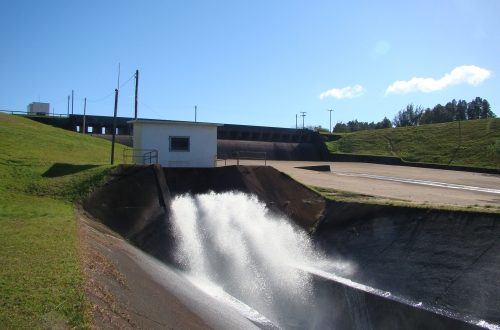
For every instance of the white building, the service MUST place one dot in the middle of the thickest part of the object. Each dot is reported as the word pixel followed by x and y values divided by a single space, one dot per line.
pixel 38 108
pixel 179 144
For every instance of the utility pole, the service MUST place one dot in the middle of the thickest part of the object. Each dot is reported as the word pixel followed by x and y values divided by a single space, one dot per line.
pixel 118 83
pixel 330 110
pixel 72 100
pixel 114 129
pixel 136 91
pixel 303 114
pixel 295 121
pixel 68 105
pixel 84 114
pixel 459 133
pixel 195 113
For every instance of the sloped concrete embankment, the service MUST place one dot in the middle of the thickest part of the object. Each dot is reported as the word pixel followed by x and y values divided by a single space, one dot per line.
pixel 434 259
pixel 437 259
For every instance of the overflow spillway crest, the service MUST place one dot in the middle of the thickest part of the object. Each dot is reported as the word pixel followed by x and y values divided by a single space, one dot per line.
pixel 231 241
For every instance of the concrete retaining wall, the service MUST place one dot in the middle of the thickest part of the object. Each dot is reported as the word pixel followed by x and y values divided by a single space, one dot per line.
pixel 388 160
pixel 446 259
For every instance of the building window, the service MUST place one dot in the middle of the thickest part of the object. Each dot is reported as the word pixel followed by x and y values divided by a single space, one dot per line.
pixel 179 143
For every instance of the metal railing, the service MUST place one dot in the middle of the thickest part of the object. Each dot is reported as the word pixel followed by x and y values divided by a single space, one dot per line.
pixel 26 113
pixel 140 156
pixel 251 155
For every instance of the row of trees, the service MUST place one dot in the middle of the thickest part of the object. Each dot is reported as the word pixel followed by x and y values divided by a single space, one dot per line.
pixel 478 108
pixel 355 125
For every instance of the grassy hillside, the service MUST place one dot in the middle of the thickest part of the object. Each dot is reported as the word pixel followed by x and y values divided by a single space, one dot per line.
pixel 470 143
pixel 43 171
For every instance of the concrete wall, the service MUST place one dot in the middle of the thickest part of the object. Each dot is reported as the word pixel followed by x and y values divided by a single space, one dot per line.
pixel 445 259
pixel 156 135
pixel 272 150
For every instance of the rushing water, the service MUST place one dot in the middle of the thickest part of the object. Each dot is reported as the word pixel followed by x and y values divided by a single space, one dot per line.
pixel 232 246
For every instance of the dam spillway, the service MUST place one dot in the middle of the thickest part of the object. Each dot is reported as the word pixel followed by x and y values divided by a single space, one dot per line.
pixel 344 235
pixel 231 241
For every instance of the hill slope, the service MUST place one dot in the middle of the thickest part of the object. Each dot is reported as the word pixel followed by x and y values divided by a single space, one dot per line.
pixel 43 170
pixel 473 143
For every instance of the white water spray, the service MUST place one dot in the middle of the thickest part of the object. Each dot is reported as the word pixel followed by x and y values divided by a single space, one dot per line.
pixel 232 241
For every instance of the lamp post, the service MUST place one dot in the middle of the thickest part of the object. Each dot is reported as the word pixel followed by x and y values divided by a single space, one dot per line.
pixel 330 110
pixel 303 114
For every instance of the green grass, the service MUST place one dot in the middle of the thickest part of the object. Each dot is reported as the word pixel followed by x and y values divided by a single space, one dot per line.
pixel 474 143
pixel 43 172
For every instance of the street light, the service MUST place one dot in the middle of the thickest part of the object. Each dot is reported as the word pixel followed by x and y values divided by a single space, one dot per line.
pixel 303 114
pixel 330 110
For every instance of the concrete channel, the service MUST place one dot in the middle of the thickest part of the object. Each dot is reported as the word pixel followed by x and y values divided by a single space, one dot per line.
pixel 415 268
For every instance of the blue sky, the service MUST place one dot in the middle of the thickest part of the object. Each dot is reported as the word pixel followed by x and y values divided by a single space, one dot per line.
pixel 250 62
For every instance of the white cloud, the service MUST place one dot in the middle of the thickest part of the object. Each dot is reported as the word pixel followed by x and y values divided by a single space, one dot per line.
pixel 465 74
pixel 348 92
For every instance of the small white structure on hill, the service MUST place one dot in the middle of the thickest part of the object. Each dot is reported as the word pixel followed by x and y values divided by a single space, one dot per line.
pixel 38 108
pixel 179 143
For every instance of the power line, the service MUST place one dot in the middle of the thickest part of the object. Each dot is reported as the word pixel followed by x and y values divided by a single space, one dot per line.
pixel 111 93
pixel 102 98
pixel 128 80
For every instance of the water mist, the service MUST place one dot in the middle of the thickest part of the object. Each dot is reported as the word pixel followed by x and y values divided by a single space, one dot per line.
pixel 231 244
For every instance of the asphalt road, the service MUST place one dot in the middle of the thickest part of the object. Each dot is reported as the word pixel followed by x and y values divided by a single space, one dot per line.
pixel 397 182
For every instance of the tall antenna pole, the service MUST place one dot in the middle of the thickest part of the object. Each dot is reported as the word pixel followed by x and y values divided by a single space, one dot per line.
pixel 72 100
pixel 114 129
pixel 84 113
pixel 118 85
pixel 136 91
pixel 303 114
pixel 330 110
pixel 195 113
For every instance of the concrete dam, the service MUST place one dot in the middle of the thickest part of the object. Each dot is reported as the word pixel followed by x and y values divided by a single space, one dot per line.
pixel 275 142
pixel 248 247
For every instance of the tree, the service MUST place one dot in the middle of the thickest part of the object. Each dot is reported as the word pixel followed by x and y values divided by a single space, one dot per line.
pixel 450 111
pixel 474 108
pixel 486 110
pixel 439 114
pixel 408 117
pixel 385 123
pixel 461 110
pixel 426 117
pixel 340 128
pixel 320 129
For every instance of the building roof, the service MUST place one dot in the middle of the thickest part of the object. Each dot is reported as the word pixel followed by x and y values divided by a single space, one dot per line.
pixel 172 122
